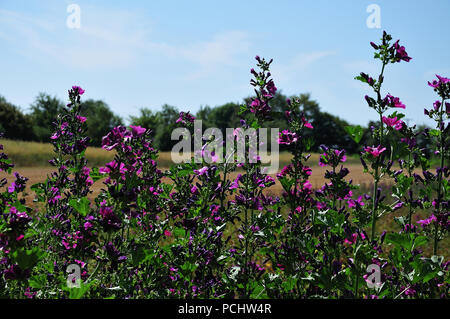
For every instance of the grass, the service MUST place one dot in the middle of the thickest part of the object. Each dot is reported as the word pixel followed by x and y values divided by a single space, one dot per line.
pixel 34 154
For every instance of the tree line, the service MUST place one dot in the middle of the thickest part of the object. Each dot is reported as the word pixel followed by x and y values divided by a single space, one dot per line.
pixel 36 124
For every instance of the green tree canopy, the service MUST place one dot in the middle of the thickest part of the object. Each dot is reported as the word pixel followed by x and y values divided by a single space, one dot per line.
pixel 13 123
pixel 99 119
pixel 43 113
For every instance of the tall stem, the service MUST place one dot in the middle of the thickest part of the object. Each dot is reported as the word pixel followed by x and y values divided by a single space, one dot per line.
pixel 438 204
pixel 380 142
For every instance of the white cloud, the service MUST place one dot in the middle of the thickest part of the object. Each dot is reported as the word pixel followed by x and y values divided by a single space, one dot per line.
pixel 212 55
pixel 111 39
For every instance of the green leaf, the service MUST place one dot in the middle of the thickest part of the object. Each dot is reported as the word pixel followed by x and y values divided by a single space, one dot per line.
pixel 81 205
pixel 286 183
pixel 401 240
pixel 38 188
pixel 138 256
pixel 179 232
pixel 360 78
pixel 434 132
pixel 78 293
pixel 355 132
pixel 38 281
pixel 420 241
pixel 308 143
pixel 27 258
pixel 95 174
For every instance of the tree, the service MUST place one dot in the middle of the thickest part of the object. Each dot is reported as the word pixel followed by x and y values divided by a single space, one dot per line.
pixel 43 113
pixel 99 119
pixel 146 119
pixel 13 123
pixel 222 117
pixel 167 118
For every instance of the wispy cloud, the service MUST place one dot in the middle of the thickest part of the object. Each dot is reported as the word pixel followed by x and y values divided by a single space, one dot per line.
pixel 113 40
pixel 301 62
pixel 217 53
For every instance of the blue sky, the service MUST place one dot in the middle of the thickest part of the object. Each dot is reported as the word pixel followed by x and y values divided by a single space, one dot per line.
pixel 134 54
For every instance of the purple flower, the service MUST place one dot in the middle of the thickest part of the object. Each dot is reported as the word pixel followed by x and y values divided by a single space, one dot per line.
pixel 428 221
pixel 235 183
pixel 201 171
pixel 287 138
pixel 440 83
pixel 19 184
pixel 78 90
pixel 355 203
pixel 109 219
pixel 185 118
pixel 375 151
pixel 137 131
pixel 393 122
pixel 80 118
pixel 54 195
pixel 400 53
pixel 393 101
pixel 194 190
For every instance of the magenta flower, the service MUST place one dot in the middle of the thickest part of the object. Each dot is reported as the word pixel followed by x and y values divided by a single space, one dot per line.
pixel 354 203
pixel 441 81
pixel 54 136
pixel 271 87
pixel 80 118
pixel 306 123
pixel 201 171
pixel 400 53
pixel 137 130
pixel 194 190
pixel 235 183
pixel 307 185
pixel 258 106
pixel 185 118
pixel 351 240
pixel 428 221
pixel 112 167
pixel 287 138
pixel 393 122
pixel 109 219
pixel 78 90
pixel 54 195
pixel 375 151
pixel 393 101
pixel 437 106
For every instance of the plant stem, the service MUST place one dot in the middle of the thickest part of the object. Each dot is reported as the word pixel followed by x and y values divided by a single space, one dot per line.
pixel 438 204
